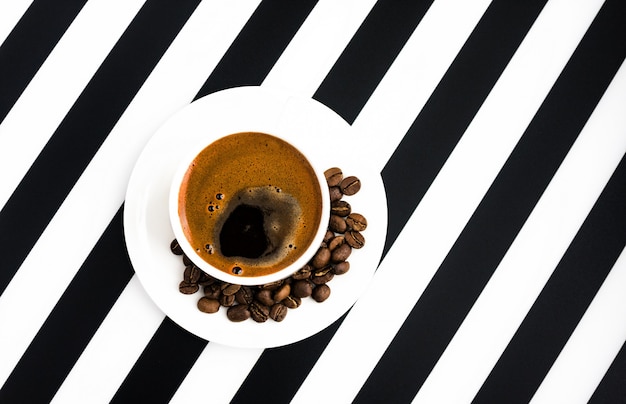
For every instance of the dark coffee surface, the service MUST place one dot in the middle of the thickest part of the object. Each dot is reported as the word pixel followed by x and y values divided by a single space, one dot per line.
pixel 250 201
pixel 243 233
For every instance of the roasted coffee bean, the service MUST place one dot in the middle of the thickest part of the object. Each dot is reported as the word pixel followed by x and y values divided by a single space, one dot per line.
pixel 341 253
pixel 188 288
pixel 355 239
pixel 321 258
pixel 272 285
pixel 321 271
pixel 335 193
pixel 176 248
pixel 333 176
pixel 205 279
pixel 278 312
pixel 212 291
pixel 321 293
pixel 336 242
pixel 230 289
pixel 259 312
pixel 292 302
pixel 273 300
pixel 265 296
pixel 302 288
pixel 238 313
pixel 350 185
pixel 337 224
pixel 281 293
pixel 191 274
pixel 227 300
pixel 195 274
pixel 207 305
pixel 328 236
pixel 303 273
pixel 356 221
pixel 323 275
pixel 341 267
pixel 340 208
pixel 244 295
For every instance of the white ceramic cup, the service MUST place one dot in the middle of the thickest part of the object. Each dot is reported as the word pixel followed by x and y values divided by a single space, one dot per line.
pixel 237 279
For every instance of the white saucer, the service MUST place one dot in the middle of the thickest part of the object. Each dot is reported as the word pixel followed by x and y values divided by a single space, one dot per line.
pixel 316 131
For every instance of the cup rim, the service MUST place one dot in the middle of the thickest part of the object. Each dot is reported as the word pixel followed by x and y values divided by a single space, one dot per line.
pixel 190 252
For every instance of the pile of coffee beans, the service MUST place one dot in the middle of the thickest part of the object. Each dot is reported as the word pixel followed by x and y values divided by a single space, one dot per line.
pixel 273 300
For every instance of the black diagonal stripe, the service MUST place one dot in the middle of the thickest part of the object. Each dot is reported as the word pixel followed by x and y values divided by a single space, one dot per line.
pixel 73 321
pixel 346 88
pixel 66 155
pixel 259 45
pixel 162 366
pixel 480 247
pixel 452 106
pixel 612 388
pixel 298 357
pixel 563 300
pixel 172 351
pixel 368 56
pixel 29 44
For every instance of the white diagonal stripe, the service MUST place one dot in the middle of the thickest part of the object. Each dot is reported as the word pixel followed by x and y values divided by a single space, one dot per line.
pixel 592 347
pixel 58 83
pixel 113 350
pixel 218 372
pixel 317 45
pixel 10 14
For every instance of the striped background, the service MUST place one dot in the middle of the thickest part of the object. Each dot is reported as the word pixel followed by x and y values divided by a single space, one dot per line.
pixel 499 128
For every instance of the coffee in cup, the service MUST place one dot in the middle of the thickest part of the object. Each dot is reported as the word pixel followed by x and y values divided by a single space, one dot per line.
pixel 250 205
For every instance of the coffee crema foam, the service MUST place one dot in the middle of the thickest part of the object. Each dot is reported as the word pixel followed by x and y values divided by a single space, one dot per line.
pixel 250 204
